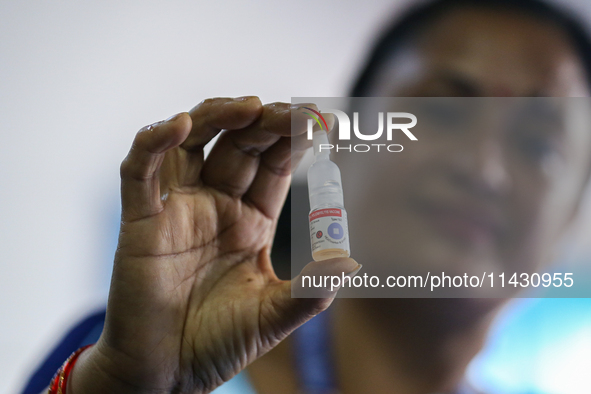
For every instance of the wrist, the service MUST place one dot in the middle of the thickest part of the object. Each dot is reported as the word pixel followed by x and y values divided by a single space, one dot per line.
pixel 91 374
pixel 58 384
pixel 82 356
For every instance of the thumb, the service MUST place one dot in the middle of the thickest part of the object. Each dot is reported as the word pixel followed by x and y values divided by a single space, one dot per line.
pixel 326 274
pixel 297 301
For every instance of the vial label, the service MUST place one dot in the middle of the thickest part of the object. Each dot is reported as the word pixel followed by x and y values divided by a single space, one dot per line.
pixel 329 230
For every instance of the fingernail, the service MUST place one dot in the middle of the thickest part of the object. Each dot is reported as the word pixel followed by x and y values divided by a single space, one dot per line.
pixel 295 107
pixel 355 271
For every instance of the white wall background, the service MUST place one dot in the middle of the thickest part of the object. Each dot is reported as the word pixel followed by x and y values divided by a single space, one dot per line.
pixel 78 79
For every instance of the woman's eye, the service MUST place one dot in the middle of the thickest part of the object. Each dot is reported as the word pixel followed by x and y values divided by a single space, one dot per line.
pixel 537 149
pixel 443 115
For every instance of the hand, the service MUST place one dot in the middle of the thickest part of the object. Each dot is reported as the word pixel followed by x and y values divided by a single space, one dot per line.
pixel 193 297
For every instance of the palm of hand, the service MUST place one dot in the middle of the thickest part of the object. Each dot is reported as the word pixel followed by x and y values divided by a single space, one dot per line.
pixel 194 297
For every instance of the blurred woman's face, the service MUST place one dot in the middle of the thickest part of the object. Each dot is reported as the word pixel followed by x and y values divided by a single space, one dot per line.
pixel 484 197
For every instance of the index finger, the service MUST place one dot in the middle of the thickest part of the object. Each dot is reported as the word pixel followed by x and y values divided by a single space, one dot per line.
pixel 215 114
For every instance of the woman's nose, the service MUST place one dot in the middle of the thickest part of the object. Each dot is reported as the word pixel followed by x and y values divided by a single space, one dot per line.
pixel 481 167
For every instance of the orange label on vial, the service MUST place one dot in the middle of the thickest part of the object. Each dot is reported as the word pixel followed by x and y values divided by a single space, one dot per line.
pixel 319 213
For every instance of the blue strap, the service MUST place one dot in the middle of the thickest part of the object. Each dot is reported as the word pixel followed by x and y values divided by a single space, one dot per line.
pixel 84 333
pixel 313 357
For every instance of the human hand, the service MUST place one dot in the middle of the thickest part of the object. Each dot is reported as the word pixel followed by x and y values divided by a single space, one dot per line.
pixel 194 298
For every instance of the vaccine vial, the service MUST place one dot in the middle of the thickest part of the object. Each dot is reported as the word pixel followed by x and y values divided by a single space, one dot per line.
pixel 329 232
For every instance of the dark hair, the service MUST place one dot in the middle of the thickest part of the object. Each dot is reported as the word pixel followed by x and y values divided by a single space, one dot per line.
pixel 419 16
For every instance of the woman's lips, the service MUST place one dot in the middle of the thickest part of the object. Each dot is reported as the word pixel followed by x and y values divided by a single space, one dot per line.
pixel 464 222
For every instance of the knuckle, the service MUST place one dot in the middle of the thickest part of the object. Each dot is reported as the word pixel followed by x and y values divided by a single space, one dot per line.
pixel 142 135
pixel 125 169
pixel 208 102
pixel 254 98
pixel 204 105
pixel 211 102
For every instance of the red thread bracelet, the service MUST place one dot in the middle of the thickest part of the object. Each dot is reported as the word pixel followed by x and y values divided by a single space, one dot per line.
pixel 58 383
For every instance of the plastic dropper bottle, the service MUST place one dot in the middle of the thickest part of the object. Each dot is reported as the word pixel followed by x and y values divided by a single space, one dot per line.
pixel 329 232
